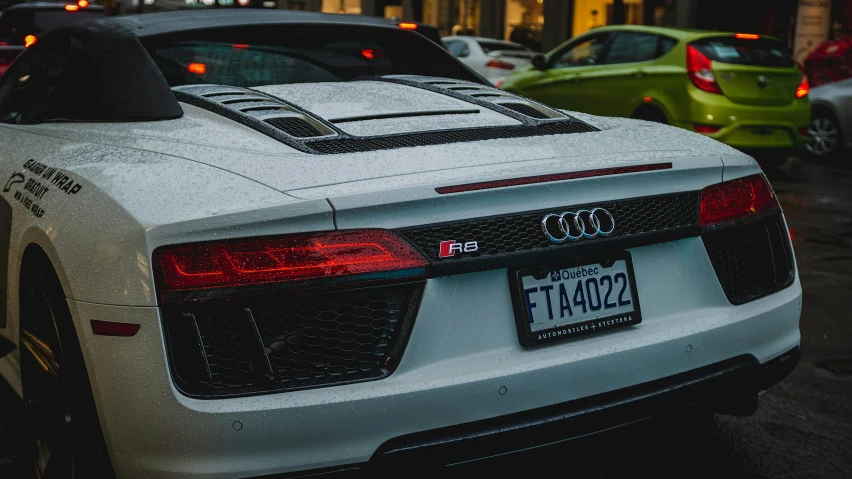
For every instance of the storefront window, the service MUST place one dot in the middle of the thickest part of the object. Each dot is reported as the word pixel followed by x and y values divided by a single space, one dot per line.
pixel 589 14
pixel 453 17
pixel 342 6
pixel 524 20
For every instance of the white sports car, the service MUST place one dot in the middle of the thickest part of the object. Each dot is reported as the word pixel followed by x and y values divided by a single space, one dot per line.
pixel 244 243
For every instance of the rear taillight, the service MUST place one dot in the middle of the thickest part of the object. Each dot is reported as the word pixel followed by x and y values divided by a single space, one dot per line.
pixel 30 40
pixel 335 257
pixel 700 71
pixel 500 64
pixel 803 88
pixel 737 201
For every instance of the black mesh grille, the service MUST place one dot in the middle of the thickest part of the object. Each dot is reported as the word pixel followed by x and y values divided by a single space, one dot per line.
pixel 522 232
pixel 294 127
pixel 289 342
pixel 527 110
pixel 751 261
pixel 352 145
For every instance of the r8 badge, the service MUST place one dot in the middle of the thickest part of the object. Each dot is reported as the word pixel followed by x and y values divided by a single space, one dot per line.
pixel 448 249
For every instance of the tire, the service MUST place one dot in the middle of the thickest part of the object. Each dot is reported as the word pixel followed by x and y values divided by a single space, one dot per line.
pixel 825 138
pixel 650 113
pixel 62 421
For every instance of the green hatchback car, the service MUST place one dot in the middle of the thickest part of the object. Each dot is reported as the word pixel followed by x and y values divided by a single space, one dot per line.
pixel 741 89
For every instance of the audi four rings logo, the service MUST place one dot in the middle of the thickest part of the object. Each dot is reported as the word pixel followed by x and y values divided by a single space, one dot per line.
pixel 577 225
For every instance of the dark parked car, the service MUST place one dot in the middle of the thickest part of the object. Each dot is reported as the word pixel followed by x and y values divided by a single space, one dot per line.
pixel 22 25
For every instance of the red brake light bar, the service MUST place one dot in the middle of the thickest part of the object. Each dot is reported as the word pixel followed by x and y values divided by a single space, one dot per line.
pixel 747 36
pixel 529 180
pixel 408 26
pixel 500 64
pixel 359 255
pixel 742 200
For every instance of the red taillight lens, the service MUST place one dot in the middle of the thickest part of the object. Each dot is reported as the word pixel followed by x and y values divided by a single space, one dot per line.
pixel 803 88
pixel 700 70
pixel 747 36
pixel 360 255
pixel 738 200
pixel 706 128
pixel 197 68
pixel 408 26
pixel 500 64
pixel 30 40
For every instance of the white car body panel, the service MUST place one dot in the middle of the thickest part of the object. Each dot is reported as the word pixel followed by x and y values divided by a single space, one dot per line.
pixel 477 59
pixel 204 177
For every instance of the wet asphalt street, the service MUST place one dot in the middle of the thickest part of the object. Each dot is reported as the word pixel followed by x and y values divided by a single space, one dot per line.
pixel 803 426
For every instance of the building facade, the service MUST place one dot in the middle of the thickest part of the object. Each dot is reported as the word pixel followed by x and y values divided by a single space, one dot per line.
pixel 543 24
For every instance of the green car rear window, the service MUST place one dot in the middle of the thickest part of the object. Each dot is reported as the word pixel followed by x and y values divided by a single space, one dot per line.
pixel 761 52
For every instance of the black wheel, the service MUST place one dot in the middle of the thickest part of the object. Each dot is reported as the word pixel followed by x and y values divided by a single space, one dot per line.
pixel 650 113
pixel 825 138
pixel 62 422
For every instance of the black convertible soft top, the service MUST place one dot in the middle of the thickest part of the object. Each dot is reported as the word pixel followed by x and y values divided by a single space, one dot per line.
pixel 108 75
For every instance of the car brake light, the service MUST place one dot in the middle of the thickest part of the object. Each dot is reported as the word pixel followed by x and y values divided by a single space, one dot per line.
pixel 353 256
pixel 197 68
pixel 72 8
pixel 803 88
pixel 747 36
pixel 30 40
pixel 740 200
pixel 699 69
pixel 368 53
pixel 240 46
pixel 408 26
pixel 82 3
pixel 706 128
pixel 500 64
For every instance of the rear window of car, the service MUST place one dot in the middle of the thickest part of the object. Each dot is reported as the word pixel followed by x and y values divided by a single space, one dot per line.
pixel 46 20
pixel 761 52
pixel 496 46
pixel 270 56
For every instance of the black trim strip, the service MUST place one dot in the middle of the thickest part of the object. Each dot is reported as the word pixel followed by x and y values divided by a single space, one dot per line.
pixel 559 253
pixel 385 116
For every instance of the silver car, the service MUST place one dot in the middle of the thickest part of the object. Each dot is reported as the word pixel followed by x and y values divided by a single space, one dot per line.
pixel 493 59
pixel 831 119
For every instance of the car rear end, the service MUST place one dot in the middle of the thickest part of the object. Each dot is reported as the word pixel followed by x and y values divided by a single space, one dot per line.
pixel 457 319
pixel 746 91
pixel 501 58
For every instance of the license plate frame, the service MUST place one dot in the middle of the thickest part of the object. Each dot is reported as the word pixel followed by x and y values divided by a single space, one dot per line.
pixel 529 338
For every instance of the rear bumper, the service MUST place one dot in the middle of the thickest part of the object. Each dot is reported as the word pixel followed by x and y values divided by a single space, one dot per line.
pixel 154 431
pixel 747 126
pixel 729 387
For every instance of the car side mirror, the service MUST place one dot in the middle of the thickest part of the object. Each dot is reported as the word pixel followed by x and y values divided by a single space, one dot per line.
pixel 538 62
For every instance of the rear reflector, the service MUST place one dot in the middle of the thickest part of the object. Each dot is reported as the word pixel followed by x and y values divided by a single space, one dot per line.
pixel 803 131
pixel 528 180
pixel 707 128
pixel 737 201
pixel 358 255
pixel 500 64
pixel 110 328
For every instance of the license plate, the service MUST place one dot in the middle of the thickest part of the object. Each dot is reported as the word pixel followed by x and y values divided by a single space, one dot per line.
pixel 566 300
